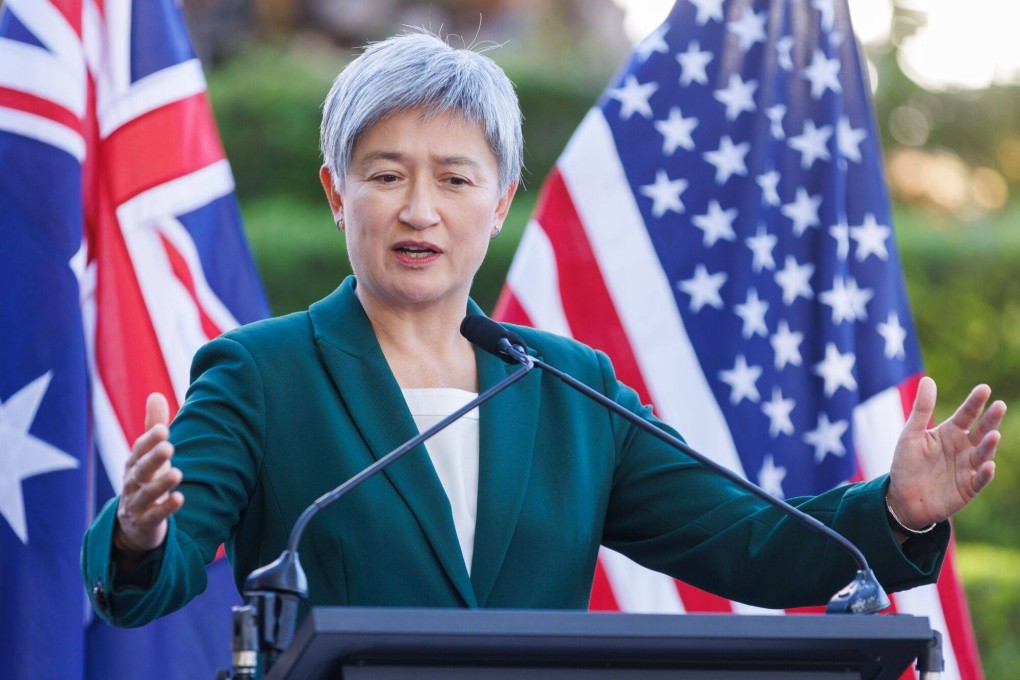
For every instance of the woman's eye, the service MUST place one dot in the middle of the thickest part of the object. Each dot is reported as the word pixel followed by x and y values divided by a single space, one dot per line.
pixel 386 178
pixel 457 181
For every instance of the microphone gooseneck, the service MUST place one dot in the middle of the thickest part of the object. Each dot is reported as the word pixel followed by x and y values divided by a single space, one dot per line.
pixel 863 595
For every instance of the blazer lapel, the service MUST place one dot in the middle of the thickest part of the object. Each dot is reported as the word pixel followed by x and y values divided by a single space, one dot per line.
pixel 355 362
pixel 507 426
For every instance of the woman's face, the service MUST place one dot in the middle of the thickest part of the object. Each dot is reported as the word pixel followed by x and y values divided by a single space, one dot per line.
pixel 420 203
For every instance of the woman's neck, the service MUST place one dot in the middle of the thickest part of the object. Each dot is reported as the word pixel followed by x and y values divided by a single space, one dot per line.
pixel 423 346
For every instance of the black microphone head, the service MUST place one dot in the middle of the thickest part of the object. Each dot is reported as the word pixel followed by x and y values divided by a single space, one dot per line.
pixel 487 334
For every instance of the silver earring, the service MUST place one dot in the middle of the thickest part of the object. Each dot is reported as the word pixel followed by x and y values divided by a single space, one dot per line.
pixel 340 223
pixel 495 233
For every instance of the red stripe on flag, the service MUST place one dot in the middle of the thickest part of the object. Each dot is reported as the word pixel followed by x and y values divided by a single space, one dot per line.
pixel 586 301
pixel 908 392
pixel 159 146
pixel 509 309
pixel 602 598
pixel 183 273
pixel 46 108
pixel 129 359
pixel 697 600
pixel 593 318
pixel 958 621
pixel 72 13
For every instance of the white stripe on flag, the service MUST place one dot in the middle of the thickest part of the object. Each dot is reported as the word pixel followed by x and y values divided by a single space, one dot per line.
pixel 57 72
pixel 43 130
pixel 534 279
pixel 640 291
pixel 211 303
pixel 637 589
pixel 148 94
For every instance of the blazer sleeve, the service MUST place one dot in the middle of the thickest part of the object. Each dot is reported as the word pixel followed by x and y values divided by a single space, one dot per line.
pixel 218 439
pixel 672 514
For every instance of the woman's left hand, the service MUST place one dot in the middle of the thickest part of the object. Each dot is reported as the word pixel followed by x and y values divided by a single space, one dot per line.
pixel 935 472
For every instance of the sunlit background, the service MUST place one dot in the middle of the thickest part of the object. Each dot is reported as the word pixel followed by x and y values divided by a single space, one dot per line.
pixel 954 46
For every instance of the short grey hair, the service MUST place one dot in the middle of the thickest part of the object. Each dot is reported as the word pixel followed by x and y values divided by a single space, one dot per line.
pixel 421 70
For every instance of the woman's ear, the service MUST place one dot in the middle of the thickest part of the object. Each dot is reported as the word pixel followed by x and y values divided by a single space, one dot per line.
pixel 336 201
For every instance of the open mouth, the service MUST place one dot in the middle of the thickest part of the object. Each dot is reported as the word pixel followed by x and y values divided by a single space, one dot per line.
pixel 416 252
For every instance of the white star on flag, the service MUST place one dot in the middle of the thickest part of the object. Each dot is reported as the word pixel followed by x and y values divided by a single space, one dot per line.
pixel 870 237
pixel 778 410
pixel 836 370
pixel 728 159
pixel 771 477
pixel 795 280
pixel 849 138
pixel 704 288
pixel 786 345
pixel 716 223
pixel 769 183
pixel 22 455
pixel 841 233
pixel 738 96
pixel 894 335
pixel 741 379
pixel 693 63
pixel 749 28
pixel 752 312
pixel 762 244
pixel 665 193
pixel 826 438
pixel 708 10
pixel 633 97
pixel 823 74
pixel 676 131
pixel 655 42
pixel 803 211
pixel 811 143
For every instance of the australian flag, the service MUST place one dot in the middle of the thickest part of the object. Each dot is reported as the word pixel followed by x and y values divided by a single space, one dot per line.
pixel 121 252
pixel 719 225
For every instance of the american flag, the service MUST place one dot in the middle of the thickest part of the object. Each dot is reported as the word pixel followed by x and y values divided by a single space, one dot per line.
pixel 121 252
pixel 720 226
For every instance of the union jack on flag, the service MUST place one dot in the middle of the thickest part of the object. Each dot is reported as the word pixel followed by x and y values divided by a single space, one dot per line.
pixel 121 252
pixel 720 226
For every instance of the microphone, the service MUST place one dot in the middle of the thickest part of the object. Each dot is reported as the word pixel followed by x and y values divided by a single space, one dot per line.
pixel 863 595
pixel 494 339
pixel 274 591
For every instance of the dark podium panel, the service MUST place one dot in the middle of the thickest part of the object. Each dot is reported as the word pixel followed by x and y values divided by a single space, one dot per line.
pixel 393 644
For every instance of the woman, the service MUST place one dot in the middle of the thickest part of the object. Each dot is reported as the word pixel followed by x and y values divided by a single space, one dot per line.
pixel 423 153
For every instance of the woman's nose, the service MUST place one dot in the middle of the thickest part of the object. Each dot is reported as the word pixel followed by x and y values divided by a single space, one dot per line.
pixel 419 211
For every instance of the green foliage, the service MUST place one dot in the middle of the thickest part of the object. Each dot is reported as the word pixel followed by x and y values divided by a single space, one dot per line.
pixel 965 296
pixel 991 577
pixel 268 106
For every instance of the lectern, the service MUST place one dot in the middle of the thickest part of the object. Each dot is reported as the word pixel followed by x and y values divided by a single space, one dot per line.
pixel 398 644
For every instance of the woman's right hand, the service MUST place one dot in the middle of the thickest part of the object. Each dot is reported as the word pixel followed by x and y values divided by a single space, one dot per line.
pixel 147 497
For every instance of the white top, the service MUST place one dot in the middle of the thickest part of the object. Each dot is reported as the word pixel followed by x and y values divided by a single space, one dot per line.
pixel 454 454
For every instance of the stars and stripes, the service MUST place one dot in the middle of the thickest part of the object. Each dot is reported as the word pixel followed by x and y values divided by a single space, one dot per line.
pixel 719 225
pixel 122 253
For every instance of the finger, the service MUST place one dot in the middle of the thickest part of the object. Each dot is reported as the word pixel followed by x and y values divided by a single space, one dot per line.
pixel 971 407
pixel 152 516
pixel 989 422
pixel 149 464
pixel 147 442
pixel 151 493
pixel 985 450
pixel 924 406
pixel 157 411
pixel 148 468
pixel 984 475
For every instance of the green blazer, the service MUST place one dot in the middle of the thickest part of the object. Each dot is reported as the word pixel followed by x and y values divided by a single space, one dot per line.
pixel 283 410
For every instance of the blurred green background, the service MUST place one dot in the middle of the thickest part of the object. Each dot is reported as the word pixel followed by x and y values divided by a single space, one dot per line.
pixel 953 167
